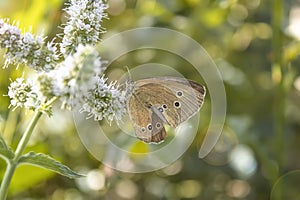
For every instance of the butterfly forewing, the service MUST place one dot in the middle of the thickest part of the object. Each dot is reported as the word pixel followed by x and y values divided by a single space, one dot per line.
pixel 189 98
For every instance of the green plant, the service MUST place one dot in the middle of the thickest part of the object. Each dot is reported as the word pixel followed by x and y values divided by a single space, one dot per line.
pixel 73 75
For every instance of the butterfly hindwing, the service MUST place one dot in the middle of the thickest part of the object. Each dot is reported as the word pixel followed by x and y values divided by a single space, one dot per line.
pixel 148 123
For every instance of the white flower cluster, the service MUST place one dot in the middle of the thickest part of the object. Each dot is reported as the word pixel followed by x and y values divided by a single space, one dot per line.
pixel 105 101
pixel 23 94
pixel 76 76
pixel 83 26
pixel 28 49
pixel 77 81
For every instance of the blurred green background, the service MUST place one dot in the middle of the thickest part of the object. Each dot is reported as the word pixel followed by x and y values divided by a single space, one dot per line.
pixel 255 44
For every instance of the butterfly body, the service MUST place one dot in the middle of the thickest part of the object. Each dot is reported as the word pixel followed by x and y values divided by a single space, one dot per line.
pixel 154 102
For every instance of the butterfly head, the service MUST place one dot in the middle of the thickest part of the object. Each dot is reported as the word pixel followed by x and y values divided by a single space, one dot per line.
pixel 128 86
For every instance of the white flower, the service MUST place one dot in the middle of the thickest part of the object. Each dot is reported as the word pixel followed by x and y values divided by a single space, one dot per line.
pixel 105 101
pixel 26 48
pixel 24 94
pixel 75 76
pixel 45 82
pixel 83 25
pixel 79 83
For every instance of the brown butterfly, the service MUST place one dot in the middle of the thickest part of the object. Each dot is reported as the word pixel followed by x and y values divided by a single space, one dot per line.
pixel 153 102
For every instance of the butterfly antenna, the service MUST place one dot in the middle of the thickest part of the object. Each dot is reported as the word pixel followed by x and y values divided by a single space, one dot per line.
pixel 128 83
pixel 129 78
pixel 125 86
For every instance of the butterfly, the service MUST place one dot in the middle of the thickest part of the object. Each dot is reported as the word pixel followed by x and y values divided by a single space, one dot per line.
pixel 154 102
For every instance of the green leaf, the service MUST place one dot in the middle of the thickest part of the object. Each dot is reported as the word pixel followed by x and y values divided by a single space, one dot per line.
pixel 5 150
pixel 47 162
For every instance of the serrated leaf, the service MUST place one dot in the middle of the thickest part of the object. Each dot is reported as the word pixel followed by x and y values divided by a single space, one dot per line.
pixel 5 150
pixel 47 162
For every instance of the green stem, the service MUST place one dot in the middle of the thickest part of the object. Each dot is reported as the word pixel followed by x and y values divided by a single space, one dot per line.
pixel 24 140
pixel 10 125
pixel 6 180
pixel 278 73
pixel 11 167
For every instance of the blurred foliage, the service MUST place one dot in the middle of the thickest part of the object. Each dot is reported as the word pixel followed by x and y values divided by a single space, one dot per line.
pixel 237 34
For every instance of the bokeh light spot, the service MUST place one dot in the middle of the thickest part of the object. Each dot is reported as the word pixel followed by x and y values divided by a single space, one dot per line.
pixel 238 189
pixel 242 160
pixel 174 168
pixel 294 23
pixel 297 83
pixel 156 186
pixel 95 180
pixel 242 37
pixel 252 4
pixel 238 13
pixel 116 7
pixel 189 189
pixel 126 189
pixel 263 31
pixel 180 22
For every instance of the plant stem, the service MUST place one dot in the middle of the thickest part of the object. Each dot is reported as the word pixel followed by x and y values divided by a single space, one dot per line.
pixel 6 180
pixel 11 167
pixel 278 74
pixel 24 140
pixel 10 126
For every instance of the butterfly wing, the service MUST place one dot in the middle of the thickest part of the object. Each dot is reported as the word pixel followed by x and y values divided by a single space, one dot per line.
pixel 156 101
pixel 189 99
pixel 158 133
pixel 148 122
pixel 178 99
